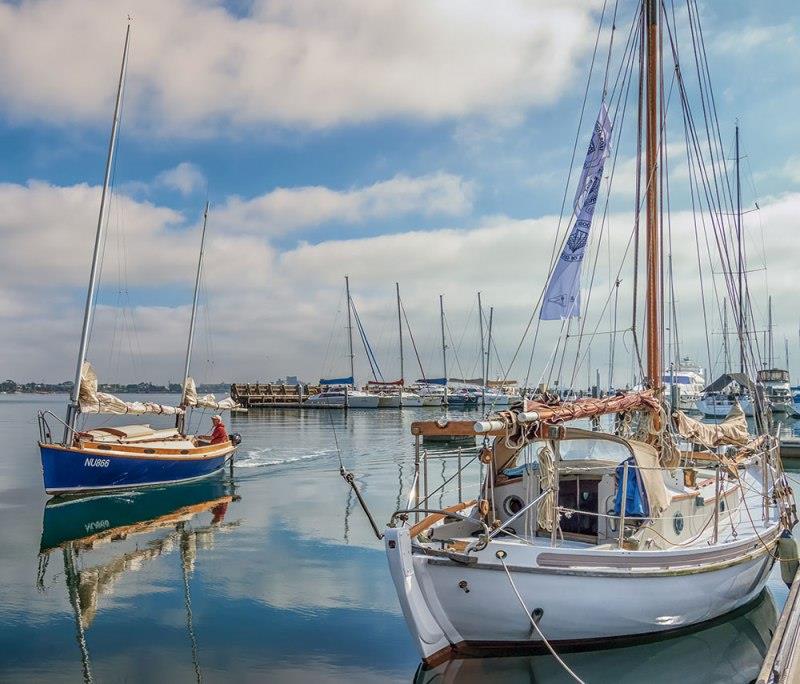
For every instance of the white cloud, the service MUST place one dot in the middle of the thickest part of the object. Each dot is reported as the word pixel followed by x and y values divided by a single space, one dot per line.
pixel 748 38
pixel 286 209
pixel 194 66
pixel 186 178
pixel 274 312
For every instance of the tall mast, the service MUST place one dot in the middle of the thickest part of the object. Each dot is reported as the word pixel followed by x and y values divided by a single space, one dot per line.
pixel 770 346
pixel 400 329
pixel 350 329
pixel 194 300
pixel 653 246
pixel 444 344
pixel 72 409
pixel 725 351
pixel 484 375
pixel 786 351
pixel 740 256
pixel 489 344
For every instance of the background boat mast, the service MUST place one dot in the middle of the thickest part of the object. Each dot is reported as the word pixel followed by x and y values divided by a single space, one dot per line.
pixel 740 257
pixel 72 409
pixel 653 247
pixel 350 329
pixel 400 329
pixel 190 343
pixel 444 346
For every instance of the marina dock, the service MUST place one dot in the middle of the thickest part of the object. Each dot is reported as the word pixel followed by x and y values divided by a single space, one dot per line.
pixel 782 663
pixel 268 395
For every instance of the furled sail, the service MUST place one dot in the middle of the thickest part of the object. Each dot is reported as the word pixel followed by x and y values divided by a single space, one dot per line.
pixel 563 296
pixel 731 431
pixel 92 401
pixel 190 398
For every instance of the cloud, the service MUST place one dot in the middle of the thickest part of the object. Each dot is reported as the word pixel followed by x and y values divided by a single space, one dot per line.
pixel 186 178
pixel 196 67
pixel 286 209
pixel 268 312
pixel 748 38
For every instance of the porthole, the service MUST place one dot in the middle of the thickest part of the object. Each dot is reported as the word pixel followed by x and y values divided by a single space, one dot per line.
pixel 513 505
pixel 677 523
pixel 722 506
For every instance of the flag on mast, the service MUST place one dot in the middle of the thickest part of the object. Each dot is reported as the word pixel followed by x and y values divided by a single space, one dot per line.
pixel 563 296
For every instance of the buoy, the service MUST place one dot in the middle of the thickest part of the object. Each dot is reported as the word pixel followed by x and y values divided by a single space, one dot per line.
pixel 787 550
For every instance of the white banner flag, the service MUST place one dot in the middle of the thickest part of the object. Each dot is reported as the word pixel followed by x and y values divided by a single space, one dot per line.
pixel 563 296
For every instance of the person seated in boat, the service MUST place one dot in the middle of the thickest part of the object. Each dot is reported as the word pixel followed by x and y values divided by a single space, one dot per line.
pixel 218 433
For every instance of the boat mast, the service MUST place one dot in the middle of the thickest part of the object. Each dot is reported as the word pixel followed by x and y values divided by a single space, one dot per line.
pixel 770 346
pixel 488 344
pixel 740 255
pixel 72 409
pixel 444 346
pixel 484 374
pixel 725 351
pixel 400 329
pixel 653 246
pixel 193 317
pixel 350 329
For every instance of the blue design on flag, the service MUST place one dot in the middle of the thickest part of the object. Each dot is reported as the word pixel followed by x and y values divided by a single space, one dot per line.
pixel 562 298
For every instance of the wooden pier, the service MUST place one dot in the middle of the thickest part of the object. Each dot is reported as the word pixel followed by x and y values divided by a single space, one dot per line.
pixel 782 663
pixel 251 395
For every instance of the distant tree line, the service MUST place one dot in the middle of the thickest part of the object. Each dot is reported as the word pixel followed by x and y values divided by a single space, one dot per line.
pixel 12 387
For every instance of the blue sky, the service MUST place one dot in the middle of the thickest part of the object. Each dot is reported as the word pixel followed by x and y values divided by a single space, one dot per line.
pixel 318 134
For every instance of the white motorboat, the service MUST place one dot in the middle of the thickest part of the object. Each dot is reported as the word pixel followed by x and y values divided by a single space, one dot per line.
pixel 777 389
pixel 328 398
pixel 689 380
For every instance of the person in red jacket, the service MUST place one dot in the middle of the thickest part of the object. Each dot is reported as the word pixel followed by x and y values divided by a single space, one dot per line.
pixel 219 434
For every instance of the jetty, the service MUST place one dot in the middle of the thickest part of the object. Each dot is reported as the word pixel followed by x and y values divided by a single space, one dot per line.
pixel 782 662
pixel 269 394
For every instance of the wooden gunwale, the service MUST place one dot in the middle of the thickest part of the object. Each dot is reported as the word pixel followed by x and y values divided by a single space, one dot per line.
pixel 124 451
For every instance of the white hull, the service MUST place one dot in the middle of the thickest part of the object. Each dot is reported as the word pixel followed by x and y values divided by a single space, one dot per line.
pixel 391 401
pixel 432 400
pixel 716 409
pixel 578 603
pixel 412 400
pixel 363 401
pixel 321 401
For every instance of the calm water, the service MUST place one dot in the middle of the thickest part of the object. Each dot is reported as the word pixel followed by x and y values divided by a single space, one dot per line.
pixel 273 574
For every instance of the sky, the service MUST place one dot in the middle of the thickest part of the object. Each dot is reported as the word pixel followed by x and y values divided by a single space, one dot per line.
pixel 423 143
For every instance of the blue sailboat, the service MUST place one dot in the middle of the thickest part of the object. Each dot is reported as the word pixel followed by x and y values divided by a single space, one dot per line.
pixel 129 456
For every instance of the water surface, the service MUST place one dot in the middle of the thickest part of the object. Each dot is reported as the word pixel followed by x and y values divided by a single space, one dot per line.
pixel 271 573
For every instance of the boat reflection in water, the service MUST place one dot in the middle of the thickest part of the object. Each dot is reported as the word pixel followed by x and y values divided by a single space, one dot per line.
pixel 78 527
pixel 727 650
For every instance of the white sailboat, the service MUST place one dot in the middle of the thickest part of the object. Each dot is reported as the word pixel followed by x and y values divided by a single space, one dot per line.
pixel 577 537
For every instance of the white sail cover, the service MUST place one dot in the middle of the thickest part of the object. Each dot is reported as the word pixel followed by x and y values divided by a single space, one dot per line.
pixel 563 296
pixel 92 401
pixel 190 398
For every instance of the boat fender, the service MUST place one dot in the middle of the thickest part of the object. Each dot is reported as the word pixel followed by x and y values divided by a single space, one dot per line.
pixel 787 550
pixel 236 438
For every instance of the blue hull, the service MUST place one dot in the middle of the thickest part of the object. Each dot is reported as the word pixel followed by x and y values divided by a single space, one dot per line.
pixel 69 471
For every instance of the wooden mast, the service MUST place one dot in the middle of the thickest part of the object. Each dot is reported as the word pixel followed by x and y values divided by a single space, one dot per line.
pixel 653 245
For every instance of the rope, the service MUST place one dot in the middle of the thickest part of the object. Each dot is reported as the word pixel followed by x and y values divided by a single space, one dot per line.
pixel 501 557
